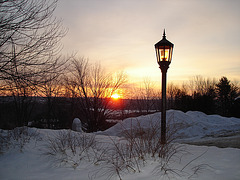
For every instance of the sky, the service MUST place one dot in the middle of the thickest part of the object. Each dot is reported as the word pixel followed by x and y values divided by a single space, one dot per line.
pixel 120 34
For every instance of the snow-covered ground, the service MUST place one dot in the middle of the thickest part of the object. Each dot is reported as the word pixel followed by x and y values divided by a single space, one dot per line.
pixel 23 156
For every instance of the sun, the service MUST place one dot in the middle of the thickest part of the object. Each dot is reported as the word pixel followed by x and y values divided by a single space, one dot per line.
pixel 115 96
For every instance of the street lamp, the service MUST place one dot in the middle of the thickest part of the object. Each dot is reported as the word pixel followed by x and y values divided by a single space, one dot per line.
pixel 164 50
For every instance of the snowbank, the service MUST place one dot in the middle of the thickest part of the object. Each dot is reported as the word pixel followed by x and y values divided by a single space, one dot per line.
pixel 189 125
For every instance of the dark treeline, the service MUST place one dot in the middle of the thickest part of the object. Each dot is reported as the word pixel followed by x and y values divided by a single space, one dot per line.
pixel 209 97
pixel 199 94
pixel 57 110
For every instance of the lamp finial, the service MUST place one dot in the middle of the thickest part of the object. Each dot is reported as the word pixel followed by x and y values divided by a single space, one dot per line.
pixel 164 34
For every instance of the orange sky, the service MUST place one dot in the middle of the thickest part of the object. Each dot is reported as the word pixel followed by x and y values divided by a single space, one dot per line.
pixel 121 35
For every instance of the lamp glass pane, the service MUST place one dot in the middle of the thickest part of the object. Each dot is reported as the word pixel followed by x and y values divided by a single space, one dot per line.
pixel 170 55
pixel 157 54
pixel 164 54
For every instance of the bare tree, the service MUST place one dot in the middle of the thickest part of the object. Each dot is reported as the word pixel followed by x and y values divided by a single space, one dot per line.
pixel 172 91
pixel 22 102
pixel 146 96
pixel 51 90
pixel 200 85
pixel 94 88
pixel 29 43
pixel 29 49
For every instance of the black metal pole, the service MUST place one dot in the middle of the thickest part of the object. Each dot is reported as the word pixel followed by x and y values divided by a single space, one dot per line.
pixel 163 114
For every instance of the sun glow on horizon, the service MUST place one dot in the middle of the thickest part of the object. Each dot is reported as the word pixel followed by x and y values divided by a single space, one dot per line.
pixel 115 96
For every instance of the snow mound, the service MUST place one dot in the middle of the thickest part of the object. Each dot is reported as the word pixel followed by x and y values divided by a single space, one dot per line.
pixel 77 125
pixel 189 125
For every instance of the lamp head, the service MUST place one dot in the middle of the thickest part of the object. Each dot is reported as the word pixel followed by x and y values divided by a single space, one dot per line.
pixel 164 49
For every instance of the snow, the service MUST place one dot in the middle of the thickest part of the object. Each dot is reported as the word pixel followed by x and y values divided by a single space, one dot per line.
pixel 24 154
pixel 77 125
pixel 191 125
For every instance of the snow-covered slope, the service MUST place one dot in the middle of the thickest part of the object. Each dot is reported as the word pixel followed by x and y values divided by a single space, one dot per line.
pixel 189 125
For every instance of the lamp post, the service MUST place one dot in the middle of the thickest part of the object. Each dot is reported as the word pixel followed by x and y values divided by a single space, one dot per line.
pixel 164 50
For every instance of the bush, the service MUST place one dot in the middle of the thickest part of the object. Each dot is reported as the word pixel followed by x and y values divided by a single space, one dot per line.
pixel 68 147
pixel 16 138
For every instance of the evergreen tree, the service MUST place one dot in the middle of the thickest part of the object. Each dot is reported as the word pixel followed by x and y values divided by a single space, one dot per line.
pixel 226 92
